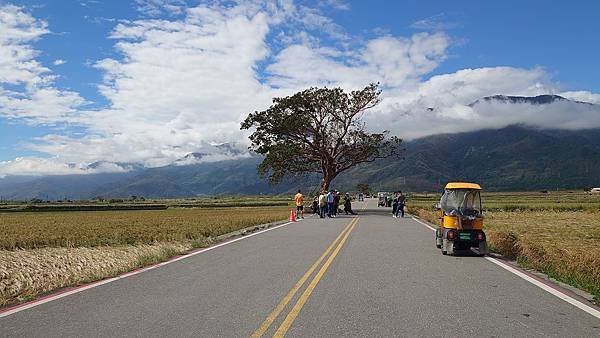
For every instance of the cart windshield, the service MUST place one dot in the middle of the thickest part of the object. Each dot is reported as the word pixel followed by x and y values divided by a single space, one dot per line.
pixel 463 202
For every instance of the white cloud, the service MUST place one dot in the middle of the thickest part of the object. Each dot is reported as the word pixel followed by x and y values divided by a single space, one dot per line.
pixel 392 61
pixel 435 22
pixel 35 166
pixel 584 96
pixel 17 63
pixel 335 4
pixel 190 159
pixel 181 84
pixel 59 62
pixel 443 104
pixel 30 94
pixel 45 105
pixel 158 7
pixel 561 114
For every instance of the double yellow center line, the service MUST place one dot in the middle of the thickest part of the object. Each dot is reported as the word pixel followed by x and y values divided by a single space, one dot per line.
pixel 291 316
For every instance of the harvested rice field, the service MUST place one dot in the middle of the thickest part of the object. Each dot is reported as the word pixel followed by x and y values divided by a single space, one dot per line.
pixel 43 251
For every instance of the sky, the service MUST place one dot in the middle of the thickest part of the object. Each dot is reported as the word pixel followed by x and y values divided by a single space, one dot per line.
pixel 116 83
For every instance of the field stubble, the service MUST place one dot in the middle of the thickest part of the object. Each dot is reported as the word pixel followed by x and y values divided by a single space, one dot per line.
pixel 40 252
pixel 76 229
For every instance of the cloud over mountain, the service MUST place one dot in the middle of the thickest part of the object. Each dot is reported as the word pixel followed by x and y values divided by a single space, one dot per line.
pixel 443 104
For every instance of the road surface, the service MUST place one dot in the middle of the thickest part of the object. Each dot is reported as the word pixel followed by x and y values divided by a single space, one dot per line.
pixel 366 276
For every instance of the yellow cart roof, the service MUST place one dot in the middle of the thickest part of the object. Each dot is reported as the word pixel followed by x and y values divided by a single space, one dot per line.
pixel 462 185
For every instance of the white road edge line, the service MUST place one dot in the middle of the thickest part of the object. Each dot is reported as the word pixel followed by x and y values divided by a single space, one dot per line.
pixel 34 303
pixel 547 288
pixel 535 282
pixel 425 224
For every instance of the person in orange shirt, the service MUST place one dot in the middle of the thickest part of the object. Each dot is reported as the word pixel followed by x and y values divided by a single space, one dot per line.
pixel 299 205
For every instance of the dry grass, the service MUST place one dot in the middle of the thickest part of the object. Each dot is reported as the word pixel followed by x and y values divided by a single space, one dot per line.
pixel 150 204
pixel 27 273
pixel 563 244
pixel 76 229
pixel 40 252
pixel 566 245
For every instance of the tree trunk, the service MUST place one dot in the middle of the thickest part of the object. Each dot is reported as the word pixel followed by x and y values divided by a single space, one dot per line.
pixel 328 176
pixel 324 185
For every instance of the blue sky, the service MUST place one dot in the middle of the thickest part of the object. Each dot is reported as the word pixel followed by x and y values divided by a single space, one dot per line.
pixel 561 36
pixel 229 58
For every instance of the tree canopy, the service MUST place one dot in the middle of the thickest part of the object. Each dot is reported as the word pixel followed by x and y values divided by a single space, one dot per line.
pixel 364 188
pixel 318 130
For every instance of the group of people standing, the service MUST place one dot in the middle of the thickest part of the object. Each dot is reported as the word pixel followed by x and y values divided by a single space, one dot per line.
pixel 398 204
pixel 328 204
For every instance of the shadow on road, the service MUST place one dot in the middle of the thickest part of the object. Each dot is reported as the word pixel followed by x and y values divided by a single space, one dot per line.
pixel 464 253
pixel 381 211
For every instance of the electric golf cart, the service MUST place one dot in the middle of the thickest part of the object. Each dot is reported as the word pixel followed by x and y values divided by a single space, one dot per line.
pixel 461 219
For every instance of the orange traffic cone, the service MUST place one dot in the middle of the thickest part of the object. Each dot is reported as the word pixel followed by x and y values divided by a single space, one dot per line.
pixel 292 216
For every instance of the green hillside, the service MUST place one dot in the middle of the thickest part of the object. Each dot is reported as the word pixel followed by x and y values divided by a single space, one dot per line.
pixel 512 158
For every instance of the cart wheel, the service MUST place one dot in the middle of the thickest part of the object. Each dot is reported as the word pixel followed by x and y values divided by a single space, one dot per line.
pixel 444 252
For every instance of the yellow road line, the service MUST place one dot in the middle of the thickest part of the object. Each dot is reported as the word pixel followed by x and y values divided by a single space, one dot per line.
pixel 273 315
pixel 289 320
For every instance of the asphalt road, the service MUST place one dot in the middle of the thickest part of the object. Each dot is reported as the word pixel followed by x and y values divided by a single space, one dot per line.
pixel 365 276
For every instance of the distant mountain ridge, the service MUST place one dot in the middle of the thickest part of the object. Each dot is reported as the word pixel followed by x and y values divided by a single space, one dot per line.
pixel 511 158
pixel 540 99
pixel 190 158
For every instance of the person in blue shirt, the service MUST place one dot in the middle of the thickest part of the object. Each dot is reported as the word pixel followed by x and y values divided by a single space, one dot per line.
pixel 330 200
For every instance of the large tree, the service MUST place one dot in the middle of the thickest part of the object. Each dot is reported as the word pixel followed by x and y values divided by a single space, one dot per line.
pixel 318 130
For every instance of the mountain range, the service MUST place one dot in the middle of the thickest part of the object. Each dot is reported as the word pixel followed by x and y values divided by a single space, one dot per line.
pixel 513 158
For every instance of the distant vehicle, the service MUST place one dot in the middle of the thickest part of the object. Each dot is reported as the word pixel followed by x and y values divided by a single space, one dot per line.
pixel 595 190
pixel 461 219
pixel 381 196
